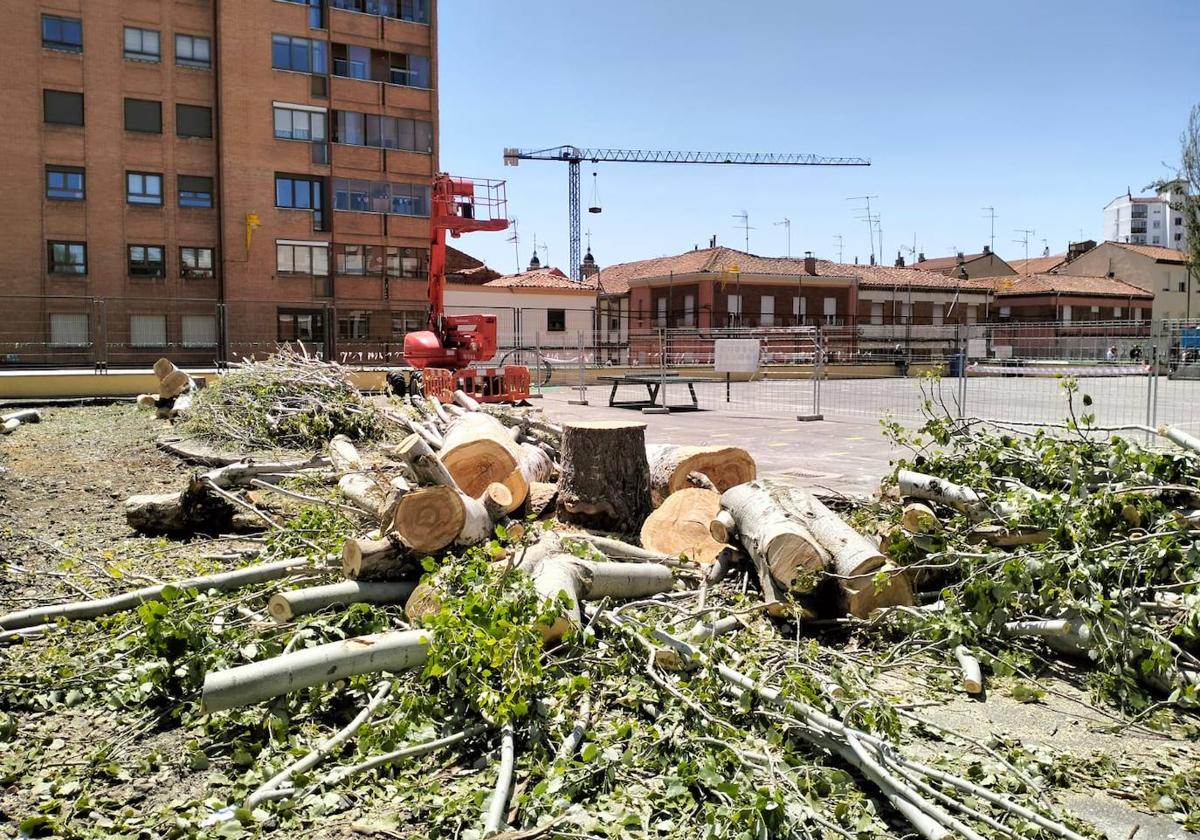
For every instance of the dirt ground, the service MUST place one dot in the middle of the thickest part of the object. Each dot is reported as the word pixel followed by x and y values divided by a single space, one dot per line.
pixel 63 536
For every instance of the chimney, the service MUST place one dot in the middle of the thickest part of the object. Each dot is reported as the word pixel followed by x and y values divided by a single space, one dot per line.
pixel 987 249
pixel 872 259
pixel 899 260
pixel 958 258
pixel 921 257
pixel 712 243
pixel 810 263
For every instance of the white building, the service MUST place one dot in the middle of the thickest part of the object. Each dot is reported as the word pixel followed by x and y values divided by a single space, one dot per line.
pixel 1147 220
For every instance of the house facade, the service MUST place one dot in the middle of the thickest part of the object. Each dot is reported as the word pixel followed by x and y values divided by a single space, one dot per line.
pixel 1148 220
pixel 983 264
pixel 1163 272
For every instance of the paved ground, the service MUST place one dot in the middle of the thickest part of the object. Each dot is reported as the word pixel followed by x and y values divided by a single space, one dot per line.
pixel 845 454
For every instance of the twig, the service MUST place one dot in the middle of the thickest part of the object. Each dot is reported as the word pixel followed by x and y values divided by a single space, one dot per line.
pixel 504 777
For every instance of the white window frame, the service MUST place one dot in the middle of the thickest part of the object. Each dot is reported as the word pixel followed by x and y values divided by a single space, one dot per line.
pixel 766 311
pixel 140 52
pixel 799 308
pixel 830 309
pixel 876 313
pixel 689 310
pixel 1066 313
pixel 185 43
pixel 660 315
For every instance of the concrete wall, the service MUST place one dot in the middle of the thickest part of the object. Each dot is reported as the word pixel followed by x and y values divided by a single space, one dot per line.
pixel 523 314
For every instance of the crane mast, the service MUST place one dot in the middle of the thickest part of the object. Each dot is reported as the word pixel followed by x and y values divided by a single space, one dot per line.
pixel 574 155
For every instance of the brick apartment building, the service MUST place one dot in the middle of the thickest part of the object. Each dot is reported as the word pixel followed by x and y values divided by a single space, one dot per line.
pixel 204 178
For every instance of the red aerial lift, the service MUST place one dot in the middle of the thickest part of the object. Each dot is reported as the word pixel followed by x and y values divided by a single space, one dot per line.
pixel 445 350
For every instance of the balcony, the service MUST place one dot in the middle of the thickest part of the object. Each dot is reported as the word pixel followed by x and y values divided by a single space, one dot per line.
pixel 413 11
pixel 391 68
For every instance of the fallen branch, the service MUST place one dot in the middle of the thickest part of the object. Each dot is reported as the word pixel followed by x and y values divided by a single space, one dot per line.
pixel 284 606
pixel 504 777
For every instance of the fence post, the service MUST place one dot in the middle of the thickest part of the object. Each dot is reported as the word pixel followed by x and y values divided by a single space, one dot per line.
pixel 818 355
pixel 662 377
pixel 962 343
pixel 581 399
pixel 537 362
pixel 222 336
pixel 100 341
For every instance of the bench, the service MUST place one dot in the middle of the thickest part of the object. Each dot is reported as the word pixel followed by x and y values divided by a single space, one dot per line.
pixel 653 383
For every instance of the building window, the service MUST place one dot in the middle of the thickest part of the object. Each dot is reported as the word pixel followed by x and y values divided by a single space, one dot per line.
pixel 1182 286
pixel 296 124
pixel 939 314
pixel 198 330
pixel 830 310
pixel 660 320
pixel 1117 311
pixel 299 54
pixel 301 193
pixel 1155 240
pixel 416 11
pixel 1066 313
pixel 194 190
pixel 354 325
pixel 556 320
pixel 359 260
pixel 876 313
pixel 143 188
pixel 300 325
pixel 143 115
pixel 689 310
pixel 800 309
pixel 64 183
pixel 141 44
pixel 380 197
pixel 62 33
pixel 1178 237
pixel 407 262
pixel 67 258
pixel 147 330
pixel 766 311
pixel 1157 223
pixel 1005 312
pixel 406 322
pixel 62 107
pixel 193 121
pixel 409 70
pixel 196 264
pixel 193 51
pixel 68 329
pixel 146 261
pixel 355 129
pixel 301 259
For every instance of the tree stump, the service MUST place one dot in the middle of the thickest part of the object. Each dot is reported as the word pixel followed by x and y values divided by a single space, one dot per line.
pixel 605 480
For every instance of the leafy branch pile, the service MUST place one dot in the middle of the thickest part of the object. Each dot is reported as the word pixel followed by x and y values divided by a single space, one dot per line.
pixel 288 401
pixel 1066 538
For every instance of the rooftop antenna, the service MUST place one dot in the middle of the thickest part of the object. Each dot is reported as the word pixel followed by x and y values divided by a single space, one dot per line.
pixel 1045 248
pixel 912 252
pixel 1025 241
pixel 838 238
pixel 992 215
pixel 787 224
pixel 868 218
pixel 745 226
pixel 545 255
pixel 515 239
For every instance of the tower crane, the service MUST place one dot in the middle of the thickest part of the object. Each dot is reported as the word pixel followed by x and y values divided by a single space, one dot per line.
pixel 573 156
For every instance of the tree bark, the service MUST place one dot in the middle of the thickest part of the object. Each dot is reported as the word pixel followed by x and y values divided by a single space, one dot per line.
pixel 542 497
pixel 480 515
pixel 426 466
pixel 362 492
pixel 343 455
pixel 478 450
pixel 387 559
pixel 258 681
pixel 431 518
pixel 722 528
pixel 284 606
pixel 771 531
pixel 605 480
pixel 723 466
pixel 681 526
pixel 918 518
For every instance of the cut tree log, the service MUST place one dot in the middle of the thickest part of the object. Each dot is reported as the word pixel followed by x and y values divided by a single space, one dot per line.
pixel 343 455
pixel 362 492
pixel 670 465
pixel 222 582
pixel 681 526
pixel 284 606
pixel 480 515
pixel 192 510
pixel 919 518
pixel 24 415
pixel 542 497
pixel 535 465
pixel 605 479
pixel 258 681
pixel 972 676
pixel 431 518
pixel 147 400
pixel 960 497
pixel 771 531
pixel 466 400
pixel 386 559
pixel 7 427
pixel 722 528
pixel 478 450
pixel 426 466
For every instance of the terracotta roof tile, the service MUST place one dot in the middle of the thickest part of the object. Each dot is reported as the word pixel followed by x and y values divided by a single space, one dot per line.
pixel 542 278
pixel 1038 265
pixel 1155 252
pixel 942 263
pixel 1067 284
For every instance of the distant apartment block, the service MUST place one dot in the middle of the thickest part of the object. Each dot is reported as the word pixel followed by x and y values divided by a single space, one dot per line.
pixel 1147 220
pixel 211 177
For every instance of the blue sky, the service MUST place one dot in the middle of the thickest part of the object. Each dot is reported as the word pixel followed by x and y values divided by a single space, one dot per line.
pixel 1043 109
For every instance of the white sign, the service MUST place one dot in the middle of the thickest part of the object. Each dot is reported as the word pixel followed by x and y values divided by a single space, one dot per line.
pixel 736 355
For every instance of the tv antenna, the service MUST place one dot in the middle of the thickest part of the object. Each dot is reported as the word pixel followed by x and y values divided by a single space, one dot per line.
pixel 1024 241
pixel 787 224
pixel 745 226
pixel 871 220
pixel 515 239
pixel 992 215
pixel 838 238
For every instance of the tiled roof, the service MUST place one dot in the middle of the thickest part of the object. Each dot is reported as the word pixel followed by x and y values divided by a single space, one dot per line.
pixel 617 278
pixel 1067 284
pixel 542 278
pixel 463 269
pixel 942 263
pixel 1038 265
pixel 1155 252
